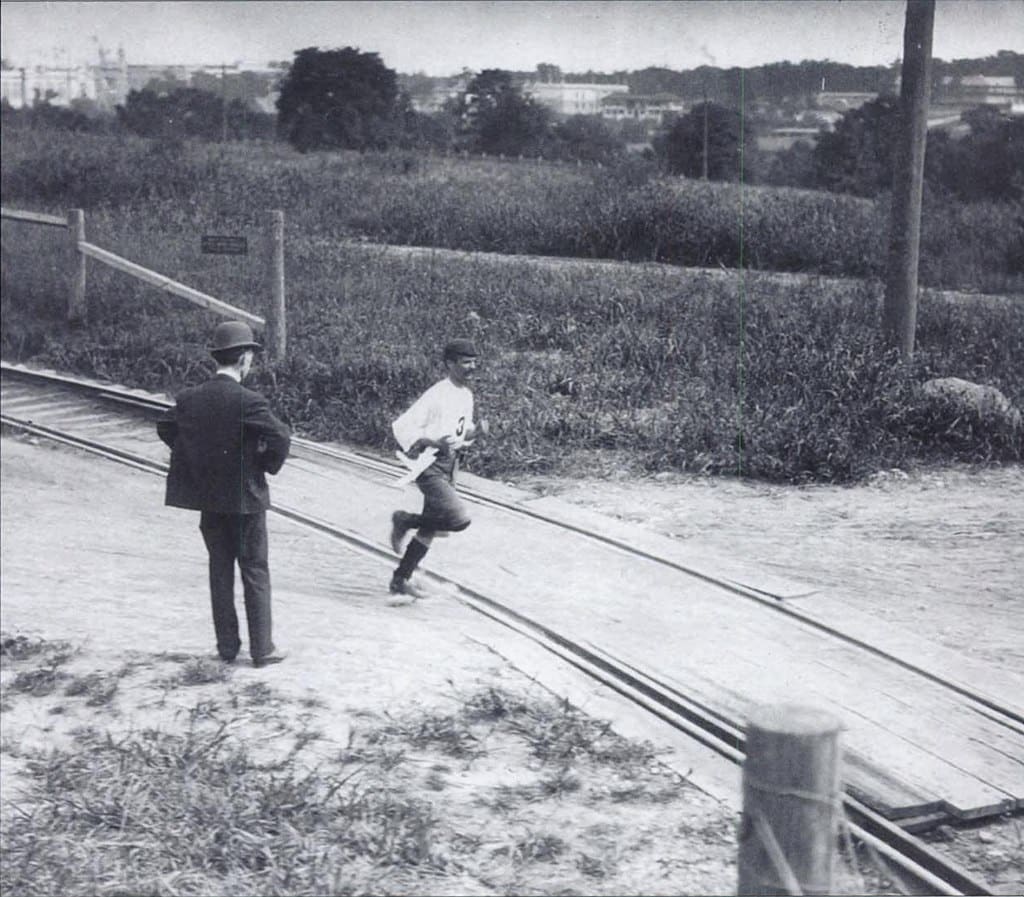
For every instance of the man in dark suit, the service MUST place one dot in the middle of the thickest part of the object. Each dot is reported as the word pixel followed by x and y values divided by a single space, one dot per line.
pixel 223 439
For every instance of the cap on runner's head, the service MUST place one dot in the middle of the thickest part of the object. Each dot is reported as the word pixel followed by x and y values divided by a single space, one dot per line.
pixel 458 348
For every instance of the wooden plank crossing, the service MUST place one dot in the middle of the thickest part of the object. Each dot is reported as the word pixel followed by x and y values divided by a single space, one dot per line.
pixel 927 746
pixel 898 752
pixel 917 746
pixel 914 747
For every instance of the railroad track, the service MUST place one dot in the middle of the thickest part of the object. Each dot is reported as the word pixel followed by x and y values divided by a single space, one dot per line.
pixel 94 416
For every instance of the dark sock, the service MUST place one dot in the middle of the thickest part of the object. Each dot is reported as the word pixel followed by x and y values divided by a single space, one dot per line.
pixel 413 555
pixel 411 521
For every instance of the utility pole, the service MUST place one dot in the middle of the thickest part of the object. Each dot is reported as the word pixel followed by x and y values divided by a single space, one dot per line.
pixel 899 317
pixel 223 104
pixel 704 154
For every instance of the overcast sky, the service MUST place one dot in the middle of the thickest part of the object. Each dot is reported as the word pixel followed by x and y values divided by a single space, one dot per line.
pixel 442 38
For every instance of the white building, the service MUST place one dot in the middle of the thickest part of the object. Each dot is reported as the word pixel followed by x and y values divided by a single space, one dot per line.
pixel 108 83
pixel 843 101
pixel 572 99
pixel 637 107
pixel 989 90
pixel 58 86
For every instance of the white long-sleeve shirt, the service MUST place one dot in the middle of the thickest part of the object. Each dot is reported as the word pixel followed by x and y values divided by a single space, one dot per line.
pixel 443 410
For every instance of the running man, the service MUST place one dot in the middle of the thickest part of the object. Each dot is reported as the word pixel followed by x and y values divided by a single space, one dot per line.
pixel 436 426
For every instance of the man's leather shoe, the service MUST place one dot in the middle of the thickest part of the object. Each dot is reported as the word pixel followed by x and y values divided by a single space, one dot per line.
pixel 269 659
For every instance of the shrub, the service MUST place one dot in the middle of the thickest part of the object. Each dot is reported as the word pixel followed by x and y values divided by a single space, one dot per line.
pixel 509 207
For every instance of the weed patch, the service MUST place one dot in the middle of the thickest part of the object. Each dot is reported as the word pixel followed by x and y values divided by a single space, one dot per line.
pixel 17 648
pixel 198 671
pixel 98 690
pixel 198 810
pixel 131 815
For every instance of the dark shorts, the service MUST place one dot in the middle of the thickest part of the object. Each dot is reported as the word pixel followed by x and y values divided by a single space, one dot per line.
pixel 443 510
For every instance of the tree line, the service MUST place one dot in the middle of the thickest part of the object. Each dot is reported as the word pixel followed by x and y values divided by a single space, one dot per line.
pixel 348 99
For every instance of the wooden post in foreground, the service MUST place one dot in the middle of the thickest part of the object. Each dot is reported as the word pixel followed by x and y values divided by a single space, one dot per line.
pixel 76 305
pixel 791 802
pixel 277 328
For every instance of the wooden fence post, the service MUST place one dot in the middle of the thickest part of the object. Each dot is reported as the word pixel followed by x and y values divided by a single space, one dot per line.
pixel 76 304
pixel 277 327
pixel 791 802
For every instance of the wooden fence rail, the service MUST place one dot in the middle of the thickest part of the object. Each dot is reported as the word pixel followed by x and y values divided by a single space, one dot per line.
pixel 168 285
pixel 34 218
pixel 76 305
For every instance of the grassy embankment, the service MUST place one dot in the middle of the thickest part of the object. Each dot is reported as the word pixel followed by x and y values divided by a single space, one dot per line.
pixel 744 373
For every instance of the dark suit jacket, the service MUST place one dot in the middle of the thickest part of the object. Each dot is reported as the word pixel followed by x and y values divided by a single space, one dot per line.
pixel 223 439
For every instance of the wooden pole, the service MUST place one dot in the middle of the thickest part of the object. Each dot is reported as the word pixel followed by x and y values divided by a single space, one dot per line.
pixel 76 306
pixel 223 104
pixel 277 330
pixel 791 802
pixel 900 310
pixel 704 151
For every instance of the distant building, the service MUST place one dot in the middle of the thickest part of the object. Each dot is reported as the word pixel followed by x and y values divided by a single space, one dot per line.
pixel 822 118
pixel 440 94
pixel 572 99
pixel 780 139
pixel 637 107
pixel 842 101
pixel 108 83
pixel 987 90
pixel 59 86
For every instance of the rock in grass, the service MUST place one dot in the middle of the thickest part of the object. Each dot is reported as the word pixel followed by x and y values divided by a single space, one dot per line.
pixel 963 396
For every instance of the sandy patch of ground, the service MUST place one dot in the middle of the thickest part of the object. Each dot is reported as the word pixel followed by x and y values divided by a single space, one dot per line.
pixel 499 787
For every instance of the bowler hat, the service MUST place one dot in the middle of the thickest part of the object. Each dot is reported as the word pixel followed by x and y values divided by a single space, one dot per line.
pixel 459 347
pixel 233 335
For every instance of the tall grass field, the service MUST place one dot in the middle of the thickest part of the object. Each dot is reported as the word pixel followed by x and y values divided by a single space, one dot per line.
pixel 608 348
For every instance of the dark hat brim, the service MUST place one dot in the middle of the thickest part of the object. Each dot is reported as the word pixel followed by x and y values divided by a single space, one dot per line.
pixel 243 345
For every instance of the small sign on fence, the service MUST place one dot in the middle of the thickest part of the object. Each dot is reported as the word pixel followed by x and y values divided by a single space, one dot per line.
pixel 219 244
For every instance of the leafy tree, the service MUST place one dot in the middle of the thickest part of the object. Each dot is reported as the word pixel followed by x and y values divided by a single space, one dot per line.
pixel 793 167
pixel 498 119
pixel 857 157
pixel 418 85
pixel 338 99
pixel 987 164
pixel 585 138
pixel 485 90
pixel 548 73
pixel 244 86
pixel 420 130
pixel 188 112
pixel 46 116
pixel 682 145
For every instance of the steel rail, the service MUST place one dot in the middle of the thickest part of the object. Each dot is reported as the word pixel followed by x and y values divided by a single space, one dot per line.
pixel 150 402
pixel 905 851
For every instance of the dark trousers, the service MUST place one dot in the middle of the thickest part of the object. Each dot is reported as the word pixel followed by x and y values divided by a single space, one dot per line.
pixel 240 538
